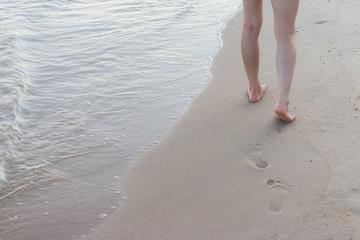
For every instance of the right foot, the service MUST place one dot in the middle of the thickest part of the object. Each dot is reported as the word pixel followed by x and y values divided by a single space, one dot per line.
pixel 257 94
pixel 281 112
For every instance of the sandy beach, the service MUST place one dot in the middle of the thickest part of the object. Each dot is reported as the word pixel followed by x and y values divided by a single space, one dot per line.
pixel 229 170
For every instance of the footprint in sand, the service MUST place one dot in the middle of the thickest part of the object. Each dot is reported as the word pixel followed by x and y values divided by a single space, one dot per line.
pixel 255 158
pixel 277 185
pixel 275 205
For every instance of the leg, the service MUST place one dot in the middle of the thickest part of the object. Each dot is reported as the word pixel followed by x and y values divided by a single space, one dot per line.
pixel 250 47
pixel 285 12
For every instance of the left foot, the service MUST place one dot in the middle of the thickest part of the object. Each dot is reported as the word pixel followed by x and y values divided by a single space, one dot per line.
pixel 256 94
pixel 281 112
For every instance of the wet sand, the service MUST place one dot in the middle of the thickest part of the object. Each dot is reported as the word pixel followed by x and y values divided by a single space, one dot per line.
pixel 229 170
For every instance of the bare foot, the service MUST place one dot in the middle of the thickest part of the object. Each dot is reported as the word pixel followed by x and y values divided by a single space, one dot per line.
pixel 281 112
pixel 256 94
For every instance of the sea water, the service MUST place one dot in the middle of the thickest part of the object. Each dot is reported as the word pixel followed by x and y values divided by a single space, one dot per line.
pixel 86 86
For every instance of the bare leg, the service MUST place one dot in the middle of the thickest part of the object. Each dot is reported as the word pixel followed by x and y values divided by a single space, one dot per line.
pixel 253 18
pixel 285 12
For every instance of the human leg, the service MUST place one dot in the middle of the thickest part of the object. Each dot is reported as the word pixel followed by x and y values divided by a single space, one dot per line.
pixel 253 18
pixel 285 12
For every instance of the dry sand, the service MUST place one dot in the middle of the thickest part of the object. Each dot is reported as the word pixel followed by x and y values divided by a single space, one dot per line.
pixel 229 170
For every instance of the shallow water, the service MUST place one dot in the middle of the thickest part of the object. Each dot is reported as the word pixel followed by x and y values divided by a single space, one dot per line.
pixel 86 86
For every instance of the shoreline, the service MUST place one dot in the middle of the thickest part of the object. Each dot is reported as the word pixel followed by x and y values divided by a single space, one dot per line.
pixel 228 169
pixel 108 136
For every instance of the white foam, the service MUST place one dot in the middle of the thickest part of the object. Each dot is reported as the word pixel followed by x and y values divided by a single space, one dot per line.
pixel 2 173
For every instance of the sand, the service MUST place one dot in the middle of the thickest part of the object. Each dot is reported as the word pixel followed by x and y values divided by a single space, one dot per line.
pixel 229 170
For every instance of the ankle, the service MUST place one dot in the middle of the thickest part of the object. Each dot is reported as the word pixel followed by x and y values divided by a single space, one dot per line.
pixel 255 86
pixel 283 102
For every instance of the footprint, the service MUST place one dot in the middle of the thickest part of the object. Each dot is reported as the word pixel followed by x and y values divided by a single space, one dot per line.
pixel 277 185
pixel 275 207
pixel 281 126
pixel 270 182
pixel 255 158
pixel 258 162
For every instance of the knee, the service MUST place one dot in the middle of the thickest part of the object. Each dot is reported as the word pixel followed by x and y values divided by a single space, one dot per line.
pixel 253 26
pixel 281 32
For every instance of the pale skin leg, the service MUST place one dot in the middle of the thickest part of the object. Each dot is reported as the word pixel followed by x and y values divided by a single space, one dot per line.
pixel 253 18
pixel 285 12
